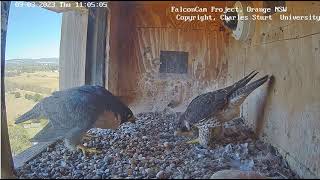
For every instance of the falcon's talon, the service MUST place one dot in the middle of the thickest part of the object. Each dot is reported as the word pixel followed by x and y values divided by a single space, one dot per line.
pixel 194 141
pixel 89 136
pixel 86 150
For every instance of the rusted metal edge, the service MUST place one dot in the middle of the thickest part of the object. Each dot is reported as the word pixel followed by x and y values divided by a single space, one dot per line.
pixel 30 153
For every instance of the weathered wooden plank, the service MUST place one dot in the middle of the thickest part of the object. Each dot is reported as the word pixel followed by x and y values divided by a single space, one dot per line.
pixel 96 46
pixel 6 156
pixel 114 43
pixel 107 54
pixel 73 50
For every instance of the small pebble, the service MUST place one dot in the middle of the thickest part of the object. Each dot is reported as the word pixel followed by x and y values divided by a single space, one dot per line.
pixel 161 175
pixel 166 145
pixel 144 137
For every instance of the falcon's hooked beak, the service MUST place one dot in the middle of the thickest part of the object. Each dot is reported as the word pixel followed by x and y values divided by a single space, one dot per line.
pixel 132 119
pixel 184 130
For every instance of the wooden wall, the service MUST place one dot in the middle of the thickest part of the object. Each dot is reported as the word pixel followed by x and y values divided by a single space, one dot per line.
pixel 139 31
pixel 286 113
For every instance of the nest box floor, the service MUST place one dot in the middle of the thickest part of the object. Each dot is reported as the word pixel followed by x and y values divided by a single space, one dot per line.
pixel 149 149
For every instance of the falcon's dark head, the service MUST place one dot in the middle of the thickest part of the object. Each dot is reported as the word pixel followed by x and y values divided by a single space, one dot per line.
pixel 127 116
pixel 183 127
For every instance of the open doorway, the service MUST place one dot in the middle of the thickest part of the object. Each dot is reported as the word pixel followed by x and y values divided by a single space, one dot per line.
pixel 32 67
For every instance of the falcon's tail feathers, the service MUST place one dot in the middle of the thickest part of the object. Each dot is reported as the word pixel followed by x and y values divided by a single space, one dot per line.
pixel 34 113
pixel 48 133
pixel 254 85
pixel 241 83
pixel 250 87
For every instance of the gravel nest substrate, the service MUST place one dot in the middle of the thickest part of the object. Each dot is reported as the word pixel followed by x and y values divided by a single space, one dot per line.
pixel 148 149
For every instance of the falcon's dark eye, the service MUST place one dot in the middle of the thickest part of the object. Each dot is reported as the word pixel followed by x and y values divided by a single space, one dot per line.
pixel 184 129
pixel 129 116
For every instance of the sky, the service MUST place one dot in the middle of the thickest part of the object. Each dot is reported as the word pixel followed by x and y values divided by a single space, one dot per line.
pixel 32 33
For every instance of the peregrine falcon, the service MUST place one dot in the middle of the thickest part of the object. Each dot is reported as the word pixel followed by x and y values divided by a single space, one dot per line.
pixel 216 107
pixel 72 112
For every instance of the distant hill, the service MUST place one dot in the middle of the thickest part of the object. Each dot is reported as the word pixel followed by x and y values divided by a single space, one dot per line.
pixel 15 67
pixel 53 61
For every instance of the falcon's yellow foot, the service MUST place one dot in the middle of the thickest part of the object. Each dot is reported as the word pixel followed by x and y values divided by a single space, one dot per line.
pixel 88 136
pixel 86 150
pixel 194 141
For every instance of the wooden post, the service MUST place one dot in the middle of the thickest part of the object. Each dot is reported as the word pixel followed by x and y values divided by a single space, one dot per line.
pixel 6 156
pixel 83 48
pixel 96 46
pixel 73 45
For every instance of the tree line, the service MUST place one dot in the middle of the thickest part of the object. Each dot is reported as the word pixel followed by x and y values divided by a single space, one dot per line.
pixel 36 97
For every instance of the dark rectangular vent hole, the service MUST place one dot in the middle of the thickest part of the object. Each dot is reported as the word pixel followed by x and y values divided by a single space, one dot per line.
pixel 173 62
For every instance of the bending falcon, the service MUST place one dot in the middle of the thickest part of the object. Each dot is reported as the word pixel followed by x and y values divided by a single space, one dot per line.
pixel 72 112
pixel 216 107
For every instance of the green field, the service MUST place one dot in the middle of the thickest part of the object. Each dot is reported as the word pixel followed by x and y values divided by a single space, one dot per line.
pixel 34 86
pixel 37 79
